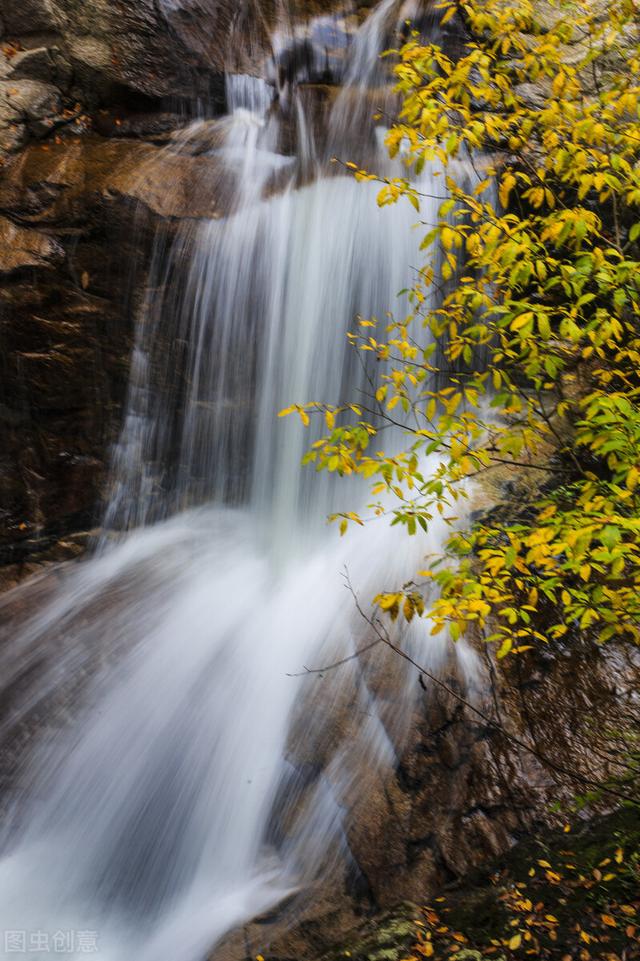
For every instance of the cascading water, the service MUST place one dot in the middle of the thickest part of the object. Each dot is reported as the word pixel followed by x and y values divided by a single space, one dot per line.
pixel 177 800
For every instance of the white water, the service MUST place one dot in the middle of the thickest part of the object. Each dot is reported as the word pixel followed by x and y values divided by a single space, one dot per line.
pixel 195 783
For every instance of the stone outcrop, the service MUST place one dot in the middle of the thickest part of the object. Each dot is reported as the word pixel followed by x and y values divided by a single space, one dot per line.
pixel 77 220
pixel 90 97
pixel 61 59
pixel 21 247
pixel 464 793
pixel 89 93
pixel 164 49
pixel 114 50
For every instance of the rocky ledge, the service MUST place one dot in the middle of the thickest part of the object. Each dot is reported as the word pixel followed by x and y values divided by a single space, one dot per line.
pixel 77 221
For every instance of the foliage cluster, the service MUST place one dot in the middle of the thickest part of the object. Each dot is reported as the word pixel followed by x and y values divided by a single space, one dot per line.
pixel 537 269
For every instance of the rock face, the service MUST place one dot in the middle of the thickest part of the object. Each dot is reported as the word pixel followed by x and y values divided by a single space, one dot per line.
pixel 60 58
pixel 20 247
pixel 463 793
pixel 88 95
pixel 76 225
pixel 64 345
pixel 155 49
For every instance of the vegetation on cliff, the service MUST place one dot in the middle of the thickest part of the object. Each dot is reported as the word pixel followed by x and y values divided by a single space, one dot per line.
pixel 547 293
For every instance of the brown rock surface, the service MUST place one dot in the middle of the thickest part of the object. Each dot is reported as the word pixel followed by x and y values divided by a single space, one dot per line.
pixel 77 221
pixel 463 793
pixel 20 248
pixel 60 183
pixel 137 44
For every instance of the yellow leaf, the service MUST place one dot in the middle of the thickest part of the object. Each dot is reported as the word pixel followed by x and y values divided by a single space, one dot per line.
pixel 446 237
pixel 505 647
pixel 507 185
pixel 448 15
pixel 515 942
pixel 520 321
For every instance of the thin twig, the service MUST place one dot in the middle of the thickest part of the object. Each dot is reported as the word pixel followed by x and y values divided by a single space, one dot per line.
pixel 345 660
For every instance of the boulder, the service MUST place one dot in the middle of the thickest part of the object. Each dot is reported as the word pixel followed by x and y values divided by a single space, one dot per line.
pixel 59 183
pixel 27 17
pixel 163 49
pixel 46 64
pixel 157 48
pixel 27 107
pixel 462 796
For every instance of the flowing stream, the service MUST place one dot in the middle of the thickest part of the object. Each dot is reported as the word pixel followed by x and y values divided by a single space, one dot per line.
pixel 184 779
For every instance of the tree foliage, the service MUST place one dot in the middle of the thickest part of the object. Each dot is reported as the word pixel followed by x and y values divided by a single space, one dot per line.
pixel 538 267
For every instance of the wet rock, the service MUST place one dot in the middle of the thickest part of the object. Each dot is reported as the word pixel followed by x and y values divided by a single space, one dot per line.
pixel 27 17
pixel 157 49
pixel 78 218
pixel 58 183
pixel 64 367
pixel 463 794
pixel 156 126
pixel 21 248
pixel 27 108
pixel 46 64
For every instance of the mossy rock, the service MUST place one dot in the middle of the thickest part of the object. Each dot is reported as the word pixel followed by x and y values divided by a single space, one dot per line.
pixel 389 939
pixel 478 912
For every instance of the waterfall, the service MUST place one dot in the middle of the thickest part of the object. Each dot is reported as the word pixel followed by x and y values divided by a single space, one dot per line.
pixel 169 797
